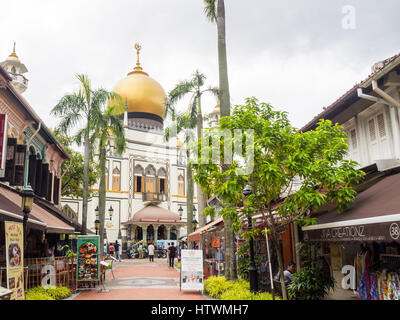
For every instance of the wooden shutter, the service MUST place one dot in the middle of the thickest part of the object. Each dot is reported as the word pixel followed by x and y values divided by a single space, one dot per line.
pixel 32 171
pixel 56 190
pixel 44 180
pixel 19 165
pixel 38 179
pixel 49 186
pixel 10 159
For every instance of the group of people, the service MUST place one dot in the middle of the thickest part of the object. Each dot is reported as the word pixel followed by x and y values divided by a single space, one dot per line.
pixel 113 248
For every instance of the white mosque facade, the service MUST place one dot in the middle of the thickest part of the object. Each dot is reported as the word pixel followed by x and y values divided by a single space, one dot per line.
pixel 146 185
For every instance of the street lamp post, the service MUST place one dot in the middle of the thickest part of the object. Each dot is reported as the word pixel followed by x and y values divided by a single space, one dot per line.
pixel 26 206
pixel 97 225
pixel 252 267
pixel 111 211
pixel 180 210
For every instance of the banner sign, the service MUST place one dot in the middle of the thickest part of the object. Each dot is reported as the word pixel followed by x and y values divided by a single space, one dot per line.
pixel 15 259
pixel 3 144
pixel 379 232
pixel 192 270
pixel 88 258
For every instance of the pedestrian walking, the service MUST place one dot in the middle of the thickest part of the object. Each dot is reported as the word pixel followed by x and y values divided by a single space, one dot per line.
pixel 140 249
pixel 111 248
pixel 151 252
pixel 171 253
pixel 117 253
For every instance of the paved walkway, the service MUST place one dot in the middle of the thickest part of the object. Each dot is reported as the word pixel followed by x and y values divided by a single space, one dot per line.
pixel 138 279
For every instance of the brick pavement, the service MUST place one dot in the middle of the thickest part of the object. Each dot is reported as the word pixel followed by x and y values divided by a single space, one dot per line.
pixel 141 280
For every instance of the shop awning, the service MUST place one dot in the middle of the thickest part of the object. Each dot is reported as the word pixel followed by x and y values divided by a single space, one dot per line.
pixel 49 222
pixel 195 236
pixel 10 211
pixel 374 216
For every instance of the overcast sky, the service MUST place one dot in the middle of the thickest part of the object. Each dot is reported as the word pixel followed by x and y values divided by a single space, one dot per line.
pixel 294 54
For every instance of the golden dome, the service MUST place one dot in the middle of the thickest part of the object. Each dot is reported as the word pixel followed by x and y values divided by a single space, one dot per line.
pixel 140 92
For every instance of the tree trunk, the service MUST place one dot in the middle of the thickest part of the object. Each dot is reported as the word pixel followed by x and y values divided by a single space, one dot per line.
pixel 102 194
pixel 85 190
pixel 225 107
pixel 224 96
pixel 189 197
pixel 201 199
pixel 275 240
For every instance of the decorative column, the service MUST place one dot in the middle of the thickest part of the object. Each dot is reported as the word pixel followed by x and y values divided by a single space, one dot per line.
pixel 155 233
pixel 168 228
pixel 144 229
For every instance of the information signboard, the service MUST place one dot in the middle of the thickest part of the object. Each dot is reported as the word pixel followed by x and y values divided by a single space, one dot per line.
pixel 15 259
pixel 88 258
pixel 192 270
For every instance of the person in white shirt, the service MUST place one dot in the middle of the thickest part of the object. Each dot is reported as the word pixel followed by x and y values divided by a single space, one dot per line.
pixel 151 252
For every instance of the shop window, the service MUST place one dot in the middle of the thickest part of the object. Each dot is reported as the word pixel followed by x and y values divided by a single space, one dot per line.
pixel 116 186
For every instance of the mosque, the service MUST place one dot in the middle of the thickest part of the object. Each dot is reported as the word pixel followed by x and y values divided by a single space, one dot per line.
pixel 146 185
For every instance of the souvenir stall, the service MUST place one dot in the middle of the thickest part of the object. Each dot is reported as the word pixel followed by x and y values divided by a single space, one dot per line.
pixel 214 249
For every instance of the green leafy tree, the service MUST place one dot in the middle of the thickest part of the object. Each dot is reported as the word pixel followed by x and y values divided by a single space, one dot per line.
pixel 74 110
pixel 215 12
pixel 292 172
pixel 107 126
pixel 193 88
pixel 72 170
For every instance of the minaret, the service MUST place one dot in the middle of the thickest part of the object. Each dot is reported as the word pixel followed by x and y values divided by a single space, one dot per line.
pixel 16 69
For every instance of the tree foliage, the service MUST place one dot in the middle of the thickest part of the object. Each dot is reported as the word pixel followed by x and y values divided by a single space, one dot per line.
pixel 292 172
pixel 72 170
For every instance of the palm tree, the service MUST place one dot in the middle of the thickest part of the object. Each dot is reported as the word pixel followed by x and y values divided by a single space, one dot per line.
pixel 186 124
pixel 194 88
pixel 215 12
pixel 73 109
pixel 106 126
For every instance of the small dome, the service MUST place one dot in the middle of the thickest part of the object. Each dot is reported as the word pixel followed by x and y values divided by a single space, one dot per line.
pixel 153 212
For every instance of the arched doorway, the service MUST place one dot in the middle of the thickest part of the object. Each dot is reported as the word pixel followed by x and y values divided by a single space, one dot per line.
pixel 162 231
pixel 173 234
pixel 138 234
pixel 150 233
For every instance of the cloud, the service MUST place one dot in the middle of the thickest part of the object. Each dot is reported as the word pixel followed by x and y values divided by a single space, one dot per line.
pixel 294 54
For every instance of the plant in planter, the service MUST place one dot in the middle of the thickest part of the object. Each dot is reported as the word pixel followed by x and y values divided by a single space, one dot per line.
pixel 310 283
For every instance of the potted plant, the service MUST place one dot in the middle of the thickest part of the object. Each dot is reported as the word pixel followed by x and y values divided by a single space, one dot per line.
pixel 310 283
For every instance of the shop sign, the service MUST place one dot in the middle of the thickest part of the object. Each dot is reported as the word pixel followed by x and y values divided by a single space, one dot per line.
pixel 3 144
pixel 380 232
pixel 15 259
pixel 192 270
pixel 88 258
pixel 216 242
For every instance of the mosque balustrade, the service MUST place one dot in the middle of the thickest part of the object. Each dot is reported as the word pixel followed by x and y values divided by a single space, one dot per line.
pixel 153 196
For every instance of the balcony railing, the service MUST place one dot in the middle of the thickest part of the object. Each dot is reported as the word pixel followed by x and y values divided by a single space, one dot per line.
pixel 152 196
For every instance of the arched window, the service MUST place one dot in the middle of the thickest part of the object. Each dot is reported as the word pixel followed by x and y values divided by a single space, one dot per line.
pixel 116 180
pixel 13 70
pixel 138 187
pixel 70 213
pixel 162 181
pixel 150 179
pixel 181 185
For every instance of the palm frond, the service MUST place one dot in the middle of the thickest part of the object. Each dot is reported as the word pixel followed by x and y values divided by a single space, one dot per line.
pixel 213 90
pixel 180 90
pixel 198 79
pixel 210 10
